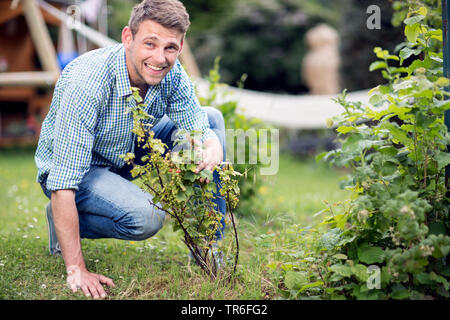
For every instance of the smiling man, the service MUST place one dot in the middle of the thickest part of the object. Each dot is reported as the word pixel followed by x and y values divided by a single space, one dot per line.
pixel 88 128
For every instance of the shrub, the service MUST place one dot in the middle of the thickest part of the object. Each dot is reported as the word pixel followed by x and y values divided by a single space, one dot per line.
pixel 169 176
pixel 390 239
pixel 397 219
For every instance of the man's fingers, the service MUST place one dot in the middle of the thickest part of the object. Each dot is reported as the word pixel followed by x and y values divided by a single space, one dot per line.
pixel 200 167
pixel 106 280
pixel 93 290
pixel 85 290
pixel 100 290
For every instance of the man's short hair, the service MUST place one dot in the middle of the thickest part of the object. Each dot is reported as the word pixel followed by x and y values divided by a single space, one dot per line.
pixel 170 14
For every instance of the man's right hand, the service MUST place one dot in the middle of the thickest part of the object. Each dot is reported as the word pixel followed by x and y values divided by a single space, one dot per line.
pixel 90 283
pixel 65 218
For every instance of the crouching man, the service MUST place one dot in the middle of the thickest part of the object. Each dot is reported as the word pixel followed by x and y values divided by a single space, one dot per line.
pixel 88 128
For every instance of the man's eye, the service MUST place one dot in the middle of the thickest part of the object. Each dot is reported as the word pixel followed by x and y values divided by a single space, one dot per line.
pixel 149 44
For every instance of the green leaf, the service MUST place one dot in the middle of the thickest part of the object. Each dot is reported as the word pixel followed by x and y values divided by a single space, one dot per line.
pixel 423 11
pixel 399 111
pixel 423 278
pixel 341 220
pixel 435 34
pixel 406 52
pixel 360 271
pixel 345 129
pixel 399 70
pixel 295 279
pixel 376 99
pixel 206 174
pixel 443 159
pixel 412 32
pixel 446 271
pixel 442 82
pixel 392 57
pixel 311 285
pixel 389 150
pixel 369 254
pixel 329 123
pixel 381 54
pixel 384 89
pixel 331 238
pixel 413 20
pixel 398 134
pixel 342 270
pixel 377 65
pixel 356 144
pixel 440 279
pixel 191 176
pixel 399 292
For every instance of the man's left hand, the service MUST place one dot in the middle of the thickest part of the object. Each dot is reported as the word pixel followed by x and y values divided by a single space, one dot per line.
pixel 212 156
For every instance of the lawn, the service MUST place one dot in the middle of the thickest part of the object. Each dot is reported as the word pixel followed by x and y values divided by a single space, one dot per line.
pixel 156 268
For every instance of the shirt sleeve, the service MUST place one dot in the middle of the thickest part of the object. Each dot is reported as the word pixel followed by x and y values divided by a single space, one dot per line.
pixel 184 108
pixel 73 138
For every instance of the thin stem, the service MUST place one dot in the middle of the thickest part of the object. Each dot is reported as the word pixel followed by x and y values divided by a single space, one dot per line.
pixel 235 232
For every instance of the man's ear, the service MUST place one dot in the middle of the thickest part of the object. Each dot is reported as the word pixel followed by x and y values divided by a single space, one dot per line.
pixel 181 45
pixel 127 37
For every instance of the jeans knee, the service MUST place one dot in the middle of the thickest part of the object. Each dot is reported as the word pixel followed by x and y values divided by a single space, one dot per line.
pixel 144 224
pixel 215 118
pixel 152 225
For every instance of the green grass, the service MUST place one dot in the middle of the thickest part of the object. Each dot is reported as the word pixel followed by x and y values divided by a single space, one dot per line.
pixel 156 268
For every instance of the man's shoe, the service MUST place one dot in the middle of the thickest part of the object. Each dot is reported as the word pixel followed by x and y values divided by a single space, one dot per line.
pixel 53 244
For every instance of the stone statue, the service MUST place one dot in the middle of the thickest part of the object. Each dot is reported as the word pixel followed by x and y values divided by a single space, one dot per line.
pixel 320 66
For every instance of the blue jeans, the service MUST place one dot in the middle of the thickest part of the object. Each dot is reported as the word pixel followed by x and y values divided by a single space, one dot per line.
pixel 111 206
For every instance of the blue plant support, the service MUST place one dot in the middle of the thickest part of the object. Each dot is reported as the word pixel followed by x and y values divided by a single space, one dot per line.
pixel 446 39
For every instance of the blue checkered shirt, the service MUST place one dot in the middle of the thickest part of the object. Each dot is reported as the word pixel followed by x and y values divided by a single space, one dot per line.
pixel 88 123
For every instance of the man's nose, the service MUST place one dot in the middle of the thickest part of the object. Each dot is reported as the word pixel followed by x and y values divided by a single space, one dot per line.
pixel 160 57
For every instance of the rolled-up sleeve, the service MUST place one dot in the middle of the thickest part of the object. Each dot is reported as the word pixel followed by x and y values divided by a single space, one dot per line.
pixel 73 138
pixel 184 108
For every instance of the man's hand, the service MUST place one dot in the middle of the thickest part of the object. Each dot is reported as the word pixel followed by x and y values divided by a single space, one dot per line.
pixel 212 156
pixel 90 283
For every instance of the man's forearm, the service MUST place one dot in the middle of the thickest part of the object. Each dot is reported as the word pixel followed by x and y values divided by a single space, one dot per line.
pixel 65 218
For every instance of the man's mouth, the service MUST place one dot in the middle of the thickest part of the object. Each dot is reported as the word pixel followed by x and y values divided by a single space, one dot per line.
pixel 153 68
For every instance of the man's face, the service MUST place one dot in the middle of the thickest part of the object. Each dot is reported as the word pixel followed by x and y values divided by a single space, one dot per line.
pixel 151 53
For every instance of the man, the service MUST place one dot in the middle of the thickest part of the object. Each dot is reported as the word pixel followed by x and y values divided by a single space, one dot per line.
pixel 88 128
